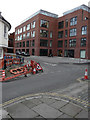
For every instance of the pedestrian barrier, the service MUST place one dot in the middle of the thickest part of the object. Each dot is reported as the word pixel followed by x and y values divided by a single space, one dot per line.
pixel 33 68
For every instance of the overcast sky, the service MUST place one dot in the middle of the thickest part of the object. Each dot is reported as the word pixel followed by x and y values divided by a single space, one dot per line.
pixel 15 11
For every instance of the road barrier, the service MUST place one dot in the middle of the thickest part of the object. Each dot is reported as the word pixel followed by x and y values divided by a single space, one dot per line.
pixel 32 67
pixel 86 75
pixel 2 75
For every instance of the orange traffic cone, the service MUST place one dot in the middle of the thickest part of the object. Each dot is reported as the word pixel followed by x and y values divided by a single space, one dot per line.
pixel 86 75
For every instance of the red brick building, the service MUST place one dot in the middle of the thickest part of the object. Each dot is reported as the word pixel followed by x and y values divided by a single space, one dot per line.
pixel 11 43
pixel 44 33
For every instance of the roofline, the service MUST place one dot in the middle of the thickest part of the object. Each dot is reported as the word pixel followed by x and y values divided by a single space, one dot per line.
pixel 41 12
pixel 83 7
pixel 4 20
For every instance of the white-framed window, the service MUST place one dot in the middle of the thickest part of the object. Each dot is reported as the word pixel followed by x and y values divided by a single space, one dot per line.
pixel 73 32
pixel 5 31
pixel 28 26
pixel 20 31
pixel 51 34
pixel 16 32
pixel 82 53
pixel 23 36
pixel 20 37
pixel 28 34
pixel 50 43
pixel 33 34
pixel 84 30
pixel 33 24
pixel 24 28
pixel 73 21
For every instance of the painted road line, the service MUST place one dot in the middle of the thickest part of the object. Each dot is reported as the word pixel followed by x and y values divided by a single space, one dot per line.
pixel 12 101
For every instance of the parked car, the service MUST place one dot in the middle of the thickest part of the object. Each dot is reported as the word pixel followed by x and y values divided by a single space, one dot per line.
pixel 18 53
pixel 25 54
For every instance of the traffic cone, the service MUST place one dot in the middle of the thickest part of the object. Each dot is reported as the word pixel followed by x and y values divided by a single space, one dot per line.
pixel 34 71
pixel 86 75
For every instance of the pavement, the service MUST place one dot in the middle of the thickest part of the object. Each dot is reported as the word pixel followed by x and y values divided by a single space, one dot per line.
pixel 56 104
pixel 71 102
pixel 61 60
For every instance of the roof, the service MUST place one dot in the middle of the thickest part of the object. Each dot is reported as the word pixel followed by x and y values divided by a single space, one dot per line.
pixel 83 7
pixel 43 12
pixel 4 20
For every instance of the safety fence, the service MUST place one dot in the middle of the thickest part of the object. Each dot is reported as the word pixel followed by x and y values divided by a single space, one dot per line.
pixel 31 67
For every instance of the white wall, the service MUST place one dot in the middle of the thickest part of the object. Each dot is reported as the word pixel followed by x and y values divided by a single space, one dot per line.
pixel 3 40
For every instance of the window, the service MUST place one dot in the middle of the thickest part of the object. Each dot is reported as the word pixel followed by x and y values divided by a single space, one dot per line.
pixel 20 30
pixel 28 26
pixel 50 43
pixel 33 43
pixel 43 43
pixel 73 21
pixel 66 33
pixel 43 33
pixel 33 34
pixel 60 34
pixel 83 42
pixel 20 44
pixel 50 34
pixel 23 44
pixel 1 53
pixel 60 25
pixel 65 43
pixel 28 34
pixel 44 23
pixel 72 42
pixel 82 53
pixel 23 36
pixel 84 30
pixel 24 28
pixel 16 33
pixel 73 32
pixel 5 31
pixel 20 37
pixel 33 24
pixel 60 43
pixel 27 44
pixel 66 23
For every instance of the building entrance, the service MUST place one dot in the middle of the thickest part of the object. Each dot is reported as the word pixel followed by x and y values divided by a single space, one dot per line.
pixel 43 52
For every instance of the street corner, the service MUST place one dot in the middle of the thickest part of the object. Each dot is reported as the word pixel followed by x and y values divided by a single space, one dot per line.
pixel 82 79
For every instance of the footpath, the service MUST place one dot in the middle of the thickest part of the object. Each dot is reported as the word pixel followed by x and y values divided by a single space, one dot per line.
pixel 71 102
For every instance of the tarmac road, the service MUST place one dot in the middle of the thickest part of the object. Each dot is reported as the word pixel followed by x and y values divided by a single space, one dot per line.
pixel 55 76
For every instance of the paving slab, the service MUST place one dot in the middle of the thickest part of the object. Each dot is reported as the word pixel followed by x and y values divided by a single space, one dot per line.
pixel 58 104
pixel 29 104
pixel 82 114
pixel 48 101
pixel 47 111
pixel 36 101
pixel 65 116
pixel 71 109
pixel 21 111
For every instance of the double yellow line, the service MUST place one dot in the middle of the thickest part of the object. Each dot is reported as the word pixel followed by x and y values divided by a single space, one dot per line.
pixel 39 94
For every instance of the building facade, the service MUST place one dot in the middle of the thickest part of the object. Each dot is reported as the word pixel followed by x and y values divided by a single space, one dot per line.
pixel 11 43
pixel 4 28
pixel 45 33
